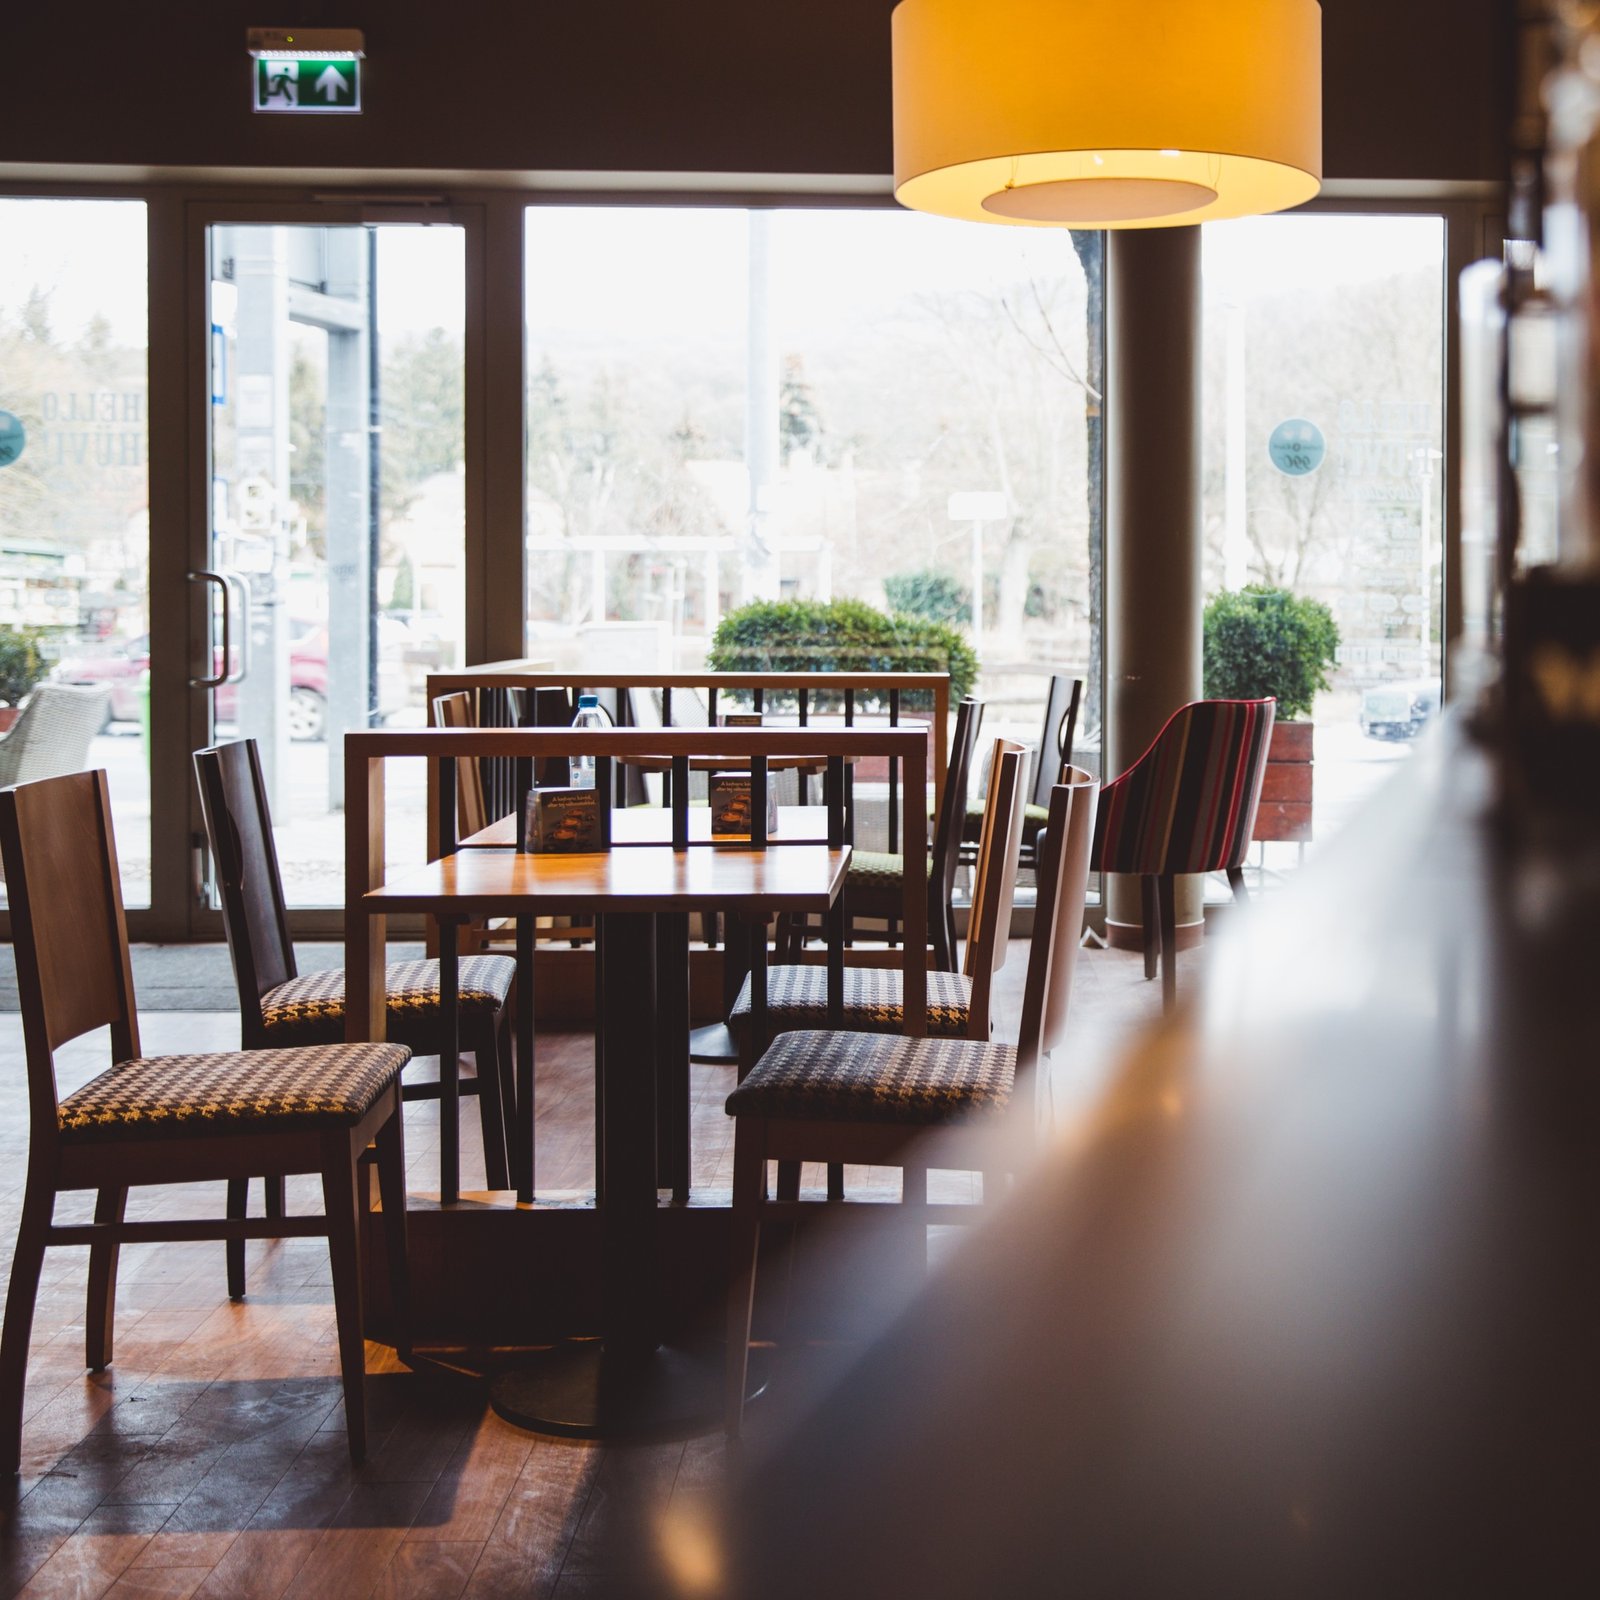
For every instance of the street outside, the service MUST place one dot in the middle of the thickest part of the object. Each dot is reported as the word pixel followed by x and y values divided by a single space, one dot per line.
pixel 309 837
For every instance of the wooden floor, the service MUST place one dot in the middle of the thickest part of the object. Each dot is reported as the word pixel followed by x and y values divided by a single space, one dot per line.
pixel 209 1459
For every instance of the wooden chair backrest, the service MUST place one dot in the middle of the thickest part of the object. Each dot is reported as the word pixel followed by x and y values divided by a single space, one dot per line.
pixel 233 801
pixel 472 813
pixel 1056 737
pixel 952 816
pixel 67 925
pixel 1063 880
pixel 995 881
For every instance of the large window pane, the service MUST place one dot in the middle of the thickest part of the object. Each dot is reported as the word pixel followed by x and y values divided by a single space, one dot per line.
pixel 1324 472
pixel 733 405
pixel 337 510
pixel 74 497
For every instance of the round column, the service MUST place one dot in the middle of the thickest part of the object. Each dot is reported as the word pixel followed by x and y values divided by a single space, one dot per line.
pixel 1154 542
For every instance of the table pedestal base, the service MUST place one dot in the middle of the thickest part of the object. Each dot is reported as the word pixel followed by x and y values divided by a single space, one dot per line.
pixel 583 1390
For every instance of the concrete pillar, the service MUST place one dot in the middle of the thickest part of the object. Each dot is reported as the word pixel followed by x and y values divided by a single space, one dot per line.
pixel 1154 543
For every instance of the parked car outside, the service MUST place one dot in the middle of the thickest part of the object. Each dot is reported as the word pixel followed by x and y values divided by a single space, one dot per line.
pixel 124 667
pixel 1398 710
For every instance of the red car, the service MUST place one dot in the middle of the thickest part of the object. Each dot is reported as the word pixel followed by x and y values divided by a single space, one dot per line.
pixel 308 682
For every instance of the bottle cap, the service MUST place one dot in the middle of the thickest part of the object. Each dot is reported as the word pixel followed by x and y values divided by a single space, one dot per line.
pixel 588 701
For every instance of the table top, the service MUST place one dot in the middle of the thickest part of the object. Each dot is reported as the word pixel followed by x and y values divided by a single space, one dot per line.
pixel 652 825
pixel 795 878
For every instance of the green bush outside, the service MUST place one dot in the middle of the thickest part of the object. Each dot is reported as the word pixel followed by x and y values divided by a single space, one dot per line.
pixel 839 636
pixel 935 595
pixel 22 663
pixel 1262 641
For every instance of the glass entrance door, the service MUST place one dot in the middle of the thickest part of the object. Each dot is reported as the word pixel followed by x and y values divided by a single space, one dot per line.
pixel 336 510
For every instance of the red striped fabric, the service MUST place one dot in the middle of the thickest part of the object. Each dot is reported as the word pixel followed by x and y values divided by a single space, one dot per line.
pixel 1188 804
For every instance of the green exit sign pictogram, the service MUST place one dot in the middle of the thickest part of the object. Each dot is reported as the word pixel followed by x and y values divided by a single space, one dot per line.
pixel 307 83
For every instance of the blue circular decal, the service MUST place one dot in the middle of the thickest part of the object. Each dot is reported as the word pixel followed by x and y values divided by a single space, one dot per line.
pixel 13 436
pixel 1297 447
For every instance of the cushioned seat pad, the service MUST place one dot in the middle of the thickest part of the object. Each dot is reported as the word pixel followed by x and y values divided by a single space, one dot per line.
pixel 797 997
pixel 236 1091
pixel 1033 819
pixel 876 869
pixel 309 1009
pixel 823 1076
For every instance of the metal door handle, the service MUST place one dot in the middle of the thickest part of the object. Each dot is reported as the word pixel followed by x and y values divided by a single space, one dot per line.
pixel 240 585
pixel 216 679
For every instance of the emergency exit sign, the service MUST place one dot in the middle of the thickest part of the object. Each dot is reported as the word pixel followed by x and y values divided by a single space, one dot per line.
pixel 307 83
pixel 306 69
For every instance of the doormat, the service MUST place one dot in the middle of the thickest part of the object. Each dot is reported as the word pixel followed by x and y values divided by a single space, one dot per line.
pixel 195 977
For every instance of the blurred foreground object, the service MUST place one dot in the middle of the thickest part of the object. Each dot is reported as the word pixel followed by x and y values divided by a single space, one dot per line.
pixel 1303 1301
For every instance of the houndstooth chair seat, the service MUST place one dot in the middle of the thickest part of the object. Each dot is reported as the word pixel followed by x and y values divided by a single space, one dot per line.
pixel 797 997
pixel 309 1009
pixel 819 1075
pixel 877 869
pixel 231 1091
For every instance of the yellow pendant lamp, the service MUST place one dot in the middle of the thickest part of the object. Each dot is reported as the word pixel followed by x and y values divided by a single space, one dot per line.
pixel 1106 113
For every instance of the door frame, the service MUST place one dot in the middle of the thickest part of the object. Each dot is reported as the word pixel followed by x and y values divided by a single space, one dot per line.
pixel 180 859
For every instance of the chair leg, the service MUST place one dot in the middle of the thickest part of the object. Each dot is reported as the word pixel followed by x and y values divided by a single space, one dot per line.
pixel 1236 883
pixel 100 1317
pixel 38 1206
pixel 238 1206
pixel 1168 894
pixel 486 1055
pixel 392 1191
pixel 749 1177
pixel 1150 916
pixel 836 1180
pixel 341 1199
pixel 272 1194
pixel 788 1179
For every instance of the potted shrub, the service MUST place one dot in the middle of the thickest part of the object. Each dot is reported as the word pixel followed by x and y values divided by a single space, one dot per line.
pixel 21 667
pixel 1261 641
pixel 842 636
pixel 839 636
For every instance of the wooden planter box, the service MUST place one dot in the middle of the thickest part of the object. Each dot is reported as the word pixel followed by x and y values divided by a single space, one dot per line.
pixel 1285 813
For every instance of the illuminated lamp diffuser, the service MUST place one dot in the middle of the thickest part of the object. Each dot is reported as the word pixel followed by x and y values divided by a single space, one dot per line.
pixel 1105 113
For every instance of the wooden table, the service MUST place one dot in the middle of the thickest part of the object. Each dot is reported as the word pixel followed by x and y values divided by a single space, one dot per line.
pixel 641 898
pixel 652 825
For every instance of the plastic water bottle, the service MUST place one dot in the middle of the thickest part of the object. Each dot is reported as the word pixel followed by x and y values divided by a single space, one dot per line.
pixel 589 716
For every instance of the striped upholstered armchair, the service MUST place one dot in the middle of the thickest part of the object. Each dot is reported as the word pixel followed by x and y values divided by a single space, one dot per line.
pixel 1188 804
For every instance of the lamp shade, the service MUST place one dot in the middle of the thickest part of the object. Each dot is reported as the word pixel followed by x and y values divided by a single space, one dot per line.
pixel 1106 113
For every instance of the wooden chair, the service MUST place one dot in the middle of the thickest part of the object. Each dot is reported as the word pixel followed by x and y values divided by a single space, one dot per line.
pixel 168 1119
pixel 455 710
pixel 472 814
pixel 1188 804
pixel 892 1100
pixel 872 885
pixel 1055 755
pixel 279 1006
pixel 958 1002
